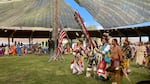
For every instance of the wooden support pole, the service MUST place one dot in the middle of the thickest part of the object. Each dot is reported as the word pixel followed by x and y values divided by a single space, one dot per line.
pixel 140 38
pixel 120 40
pixel 31 37
pixel 12 39
pixel 8 41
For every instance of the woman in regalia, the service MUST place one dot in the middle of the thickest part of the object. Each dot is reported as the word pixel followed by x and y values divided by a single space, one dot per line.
pixel 14 51
pixel 77 65
pixel 140 51
pixel 6 50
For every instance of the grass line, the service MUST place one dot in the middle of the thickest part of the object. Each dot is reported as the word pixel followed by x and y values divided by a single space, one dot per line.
pixel 34 69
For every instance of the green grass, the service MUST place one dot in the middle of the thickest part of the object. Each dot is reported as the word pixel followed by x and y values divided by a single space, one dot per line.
pixel 37 70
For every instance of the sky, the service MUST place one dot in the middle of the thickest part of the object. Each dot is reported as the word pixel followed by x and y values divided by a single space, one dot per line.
pixel 88 18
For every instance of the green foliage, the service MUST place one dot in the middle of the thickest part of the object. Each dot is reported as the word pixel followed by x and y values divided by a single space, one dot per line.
pixel 91 27
pixel 37 70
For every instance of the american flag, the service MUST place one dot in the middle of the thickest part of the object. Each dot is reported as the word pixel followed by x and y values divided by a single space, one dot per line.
pixel 62 35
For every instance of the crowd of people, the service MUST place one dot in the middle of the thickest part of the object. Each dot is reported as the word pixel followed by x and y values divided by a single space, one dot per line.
pixel 110 61
pixel 21 49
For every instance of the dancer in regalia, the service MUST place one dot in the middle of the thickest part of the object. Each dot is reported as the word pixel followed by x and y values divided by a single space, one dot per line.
pixel 6 50
pixel 127 54
pixel 117 60
pixel 140 51
pixel 77 65
pixel 18 49
pixel 14 51
pixel 105 61
pixel 92 63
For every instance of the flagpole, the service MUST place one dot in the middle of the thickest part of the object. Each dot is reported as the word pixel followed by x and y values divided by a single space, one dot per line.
pixel 62 28
pixel 66 32
pixel 81 22
pixel 55 32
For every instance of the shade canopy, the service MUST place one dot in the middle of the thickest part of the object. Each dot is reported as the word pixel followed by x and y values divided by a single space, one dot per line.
pixel 35 18
pixel 35 13
pixel 72 33
pixel 116 13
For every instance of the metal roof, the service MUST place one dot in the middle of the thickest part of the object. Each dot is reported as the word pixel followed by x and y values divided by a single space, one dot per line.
pixel 35 13
pixel 116 13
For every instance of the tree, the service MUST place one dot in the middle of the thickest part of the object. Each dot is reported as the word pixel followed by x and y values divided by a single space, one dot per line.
pixel 91 27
